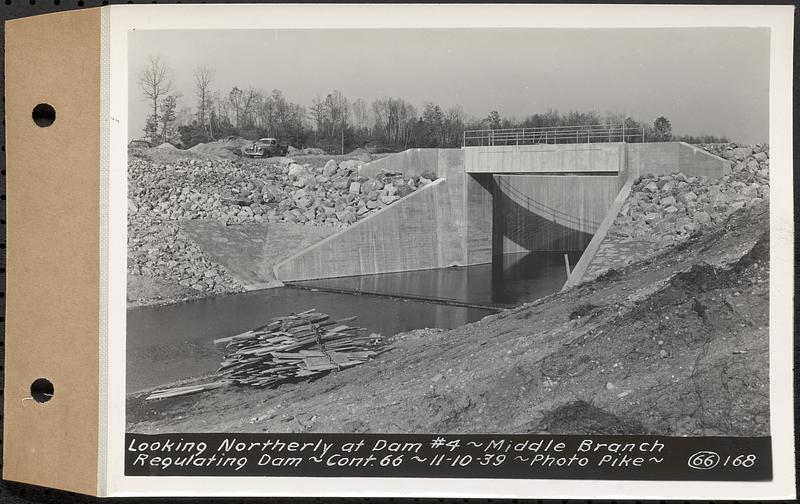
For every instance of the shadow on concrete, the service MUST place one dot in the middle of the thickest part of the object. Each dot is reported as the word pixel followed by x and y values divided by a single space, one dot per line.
pixel 535 226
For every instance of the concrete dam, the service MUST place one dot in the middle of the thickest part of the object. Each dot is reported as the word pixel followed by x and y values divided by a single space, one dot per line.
pixel 494 200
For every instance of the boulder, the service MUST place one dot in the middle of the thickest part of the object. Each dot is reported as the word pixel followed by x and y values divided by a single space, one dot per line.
pixel 351 164
pixel 403 190
pixel 295 170
pixel 702 217
pixel 669 200
pixel 388 199
pixel 741 153
pixel 736 205
pixel 652 187
pixel 371 185
pixel 330 168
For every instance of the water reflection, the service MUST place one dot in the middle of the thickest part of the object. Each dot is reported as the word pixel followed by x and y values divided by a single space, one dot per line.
pixel 509 280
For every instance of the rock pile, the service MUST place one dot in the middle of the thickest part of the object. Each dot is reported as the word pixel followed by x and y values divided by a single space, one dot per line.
pixel 160 249
pixel 160 195
pixel 236 192
pixel 672 207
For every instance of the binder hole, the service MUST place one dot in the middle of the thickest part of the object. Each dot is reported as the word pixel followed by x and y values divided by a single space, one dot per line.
pixel 41 390
pixel 44 115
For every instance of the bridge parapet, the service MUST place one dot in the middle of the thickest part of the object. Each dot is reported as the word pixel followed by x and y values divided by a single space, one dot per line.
pixel 608 158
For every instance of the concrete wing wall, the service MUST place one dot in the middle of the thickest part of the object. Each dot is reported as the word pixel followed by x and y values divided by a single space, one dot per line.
pixel 420 231
pixel 663 158
pixel 546 158
pixel 694 161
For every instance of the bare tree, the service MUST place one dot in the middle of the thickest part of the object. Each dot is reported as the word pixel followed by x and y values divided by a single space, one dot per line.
pixel 202 81
pixel 361 114
pixel 155 81
pixel 318 113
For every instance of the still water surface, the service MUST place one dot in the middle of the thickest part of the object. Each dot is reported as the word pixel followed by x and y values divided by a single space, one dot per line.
pixel 167 343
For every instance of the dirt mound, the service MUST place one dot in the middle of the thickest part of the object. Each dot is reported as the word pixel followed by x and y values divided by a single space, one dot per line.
pixel 580 416
pixel 223 149
pixel 167 145
pixel 360 154
pixel 661 347
pixel 309 151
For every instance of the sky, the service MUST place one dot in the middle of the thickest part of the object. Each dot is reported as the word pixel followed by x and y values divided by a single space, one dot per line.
pixel 704 80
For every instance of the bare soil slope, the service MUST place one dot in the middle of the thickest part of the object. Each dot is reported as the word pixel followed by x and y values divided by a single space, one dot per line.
pixel 674 345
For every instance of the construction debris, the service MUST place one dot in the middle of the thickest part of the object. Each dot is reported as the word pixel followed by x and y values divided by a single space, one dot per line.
pixel 299 346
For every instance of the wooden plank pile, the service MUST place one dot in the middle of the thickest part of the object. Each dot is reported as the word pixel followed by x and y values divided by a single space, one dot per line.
pixel 299 346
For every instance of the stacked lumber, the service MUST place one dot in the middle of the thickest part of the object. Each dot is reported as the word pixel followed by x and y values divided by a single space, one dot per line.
pixel 297 346
pixel 189 389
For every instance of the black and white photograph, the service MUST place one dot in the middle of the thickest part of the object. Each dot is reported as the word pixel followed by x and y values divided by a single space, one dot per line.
pixel 466 230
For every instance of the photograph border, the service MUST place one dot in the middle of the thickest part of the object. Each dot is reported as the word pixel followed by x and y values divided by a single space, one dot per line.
pixel 118 20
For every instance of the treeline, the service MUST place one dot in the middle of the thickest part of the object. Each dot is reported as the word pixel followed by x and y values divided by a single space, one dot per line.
pixel 335 122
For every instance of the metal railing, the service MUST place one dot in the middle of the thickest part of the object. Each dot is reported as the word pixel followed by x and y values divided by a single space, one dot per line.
pixel 594 133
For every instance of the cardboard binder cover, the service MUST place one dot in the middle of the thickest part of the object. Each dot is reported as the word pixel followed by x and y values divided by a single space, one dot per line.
pixel 53 195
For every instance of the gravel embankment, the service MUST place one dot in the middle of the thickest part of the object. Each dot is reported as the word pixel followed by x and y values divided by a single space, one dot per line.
pixel 670 208
pixel 161 195
pixel 673 206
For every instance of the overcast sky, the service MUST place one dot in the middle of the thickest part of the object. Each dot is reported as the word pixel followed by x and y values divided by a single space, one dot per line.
pixel 704 80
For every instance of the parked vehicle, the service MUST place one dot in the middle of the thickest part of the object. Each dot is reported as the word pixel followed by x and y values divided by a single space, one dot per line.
pixel 265 147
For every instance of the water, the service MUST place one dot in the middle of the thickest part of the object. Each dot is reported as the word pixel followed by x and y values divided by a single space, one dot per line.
pixel 176 341
pixel 510 280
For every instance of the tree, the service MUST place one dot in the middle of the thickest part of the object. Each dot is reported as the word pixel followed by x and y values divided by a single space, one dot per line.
pixel 169 130
pixel 662 130
pixel 361 114
pixel 454 126
pixel 432 126
pixel 155 81
pixel 317 112
pixel 494 119
pixel 151 129
pixel 202 82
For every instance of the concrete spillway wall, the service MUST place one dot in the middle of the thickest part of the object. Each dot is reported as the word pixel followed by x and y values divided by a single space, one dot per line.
pixel 446 223
pixel 421 231
pixel 492 200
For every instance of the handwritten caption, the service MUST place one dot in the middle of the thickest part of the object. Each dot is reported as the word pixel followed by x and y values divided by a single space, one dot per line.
pixel 518 456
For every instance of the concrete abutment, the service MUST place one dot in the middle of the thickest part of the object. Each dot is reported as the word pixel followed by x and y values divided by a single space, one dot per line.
pixel 494 200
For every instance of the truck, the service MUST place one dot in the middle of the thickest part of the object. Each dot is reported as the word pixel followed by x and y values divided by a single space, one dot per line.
pixel 264 148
